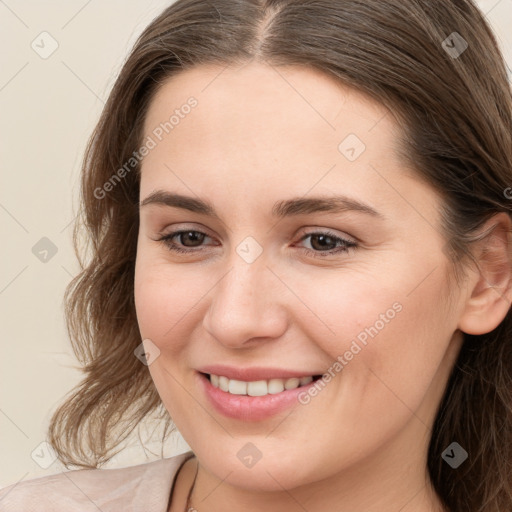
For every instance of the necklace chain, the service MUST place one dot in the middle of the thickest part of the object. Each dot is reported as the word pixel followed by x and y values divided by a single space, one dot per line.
pixel 188 506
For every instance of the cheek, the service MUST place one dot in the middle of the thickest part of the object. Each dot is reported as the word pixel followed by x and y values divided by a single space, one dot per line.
pixel 164 305
pixel 351 309
pixel 389 342
pixel 164 302
pixel 392 344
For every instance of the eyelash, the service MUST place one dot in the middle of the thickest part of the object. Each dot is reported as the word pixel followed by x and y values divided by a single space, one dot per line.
pixel 347 244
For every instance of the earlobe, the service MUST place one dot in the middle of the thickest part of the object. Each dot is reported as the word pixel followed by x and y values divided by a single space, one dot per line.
pixel 490 295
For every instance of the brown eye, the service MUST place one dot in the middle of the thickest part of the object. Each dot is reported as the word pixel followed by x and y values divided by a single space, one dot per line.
pixel 326 243
pixel 190 237
pixel 187 240
pixel 322 242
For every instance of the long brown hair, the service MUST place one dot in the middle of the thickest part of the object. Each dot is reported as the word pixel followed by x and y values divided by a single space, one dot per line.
pixel 436 65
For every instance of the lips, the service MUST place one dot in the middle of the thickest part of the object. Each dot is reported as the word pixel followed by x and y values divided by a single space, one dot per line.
pixel 255 373
pixel 249 408
pixel 258 404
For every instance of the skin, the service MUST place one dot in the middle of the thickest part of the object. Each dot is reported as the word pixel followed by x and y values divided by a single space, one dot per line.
pixel 259 135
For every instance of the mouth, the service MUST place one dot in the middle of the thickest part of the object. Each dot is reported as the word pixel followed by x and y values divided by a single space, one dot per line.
pixel 249 401
pixel 258 387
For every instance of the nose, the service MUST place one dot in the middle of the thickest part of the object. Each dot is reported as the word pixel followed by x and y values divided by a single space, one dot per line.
pixel 246 305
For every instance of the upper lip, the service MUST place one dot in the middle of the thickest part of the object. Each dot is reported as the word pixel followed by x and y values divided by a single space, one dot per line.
pixel 254 373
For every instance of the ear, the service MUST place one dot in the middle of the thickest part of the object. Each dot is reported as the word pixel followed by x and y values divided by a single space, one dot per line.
pixel 490 294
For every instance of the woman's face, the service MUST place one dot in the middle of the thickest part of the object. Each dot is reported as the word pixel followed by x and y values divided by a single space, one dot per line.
pixel 320 253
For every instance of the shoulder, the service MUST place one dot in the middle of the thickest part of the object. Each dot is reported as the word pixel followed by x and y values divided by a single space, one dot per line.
pixel 142 487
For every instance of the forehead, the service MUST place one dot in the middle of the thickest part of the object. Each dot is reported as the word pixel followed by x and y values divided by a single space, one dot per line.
pixel 257 128
pixel 261 98
pixel 256 113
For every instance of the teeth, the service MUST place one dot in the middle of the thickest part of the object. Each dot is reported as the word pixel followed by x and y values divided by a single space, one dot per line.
pixel 214 379
pixel 237 387
pixel 223 383
pixel 259 387
pixel 275 386
pixel 305 380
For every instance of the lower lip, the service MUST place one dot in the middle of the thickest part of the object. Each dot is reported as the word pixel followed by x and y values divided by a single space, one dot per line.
pixel 250 408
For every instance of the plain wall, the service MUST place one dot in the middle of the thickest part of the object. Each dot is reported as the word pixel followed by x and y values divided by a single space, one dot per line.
pixel 49 108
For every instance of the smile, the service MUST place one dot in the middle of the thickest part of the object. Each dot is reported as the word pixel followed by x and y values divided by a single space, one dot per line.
pixel 258 387
pixel 252 400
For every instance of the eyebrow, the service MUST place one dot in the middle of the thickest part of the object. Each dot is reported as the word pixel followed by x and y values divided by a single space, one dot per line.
pixel 281 209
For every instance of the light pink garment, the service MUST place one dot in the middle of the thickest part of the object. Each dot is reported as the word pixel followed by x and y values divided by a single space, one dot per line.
pixel 142 488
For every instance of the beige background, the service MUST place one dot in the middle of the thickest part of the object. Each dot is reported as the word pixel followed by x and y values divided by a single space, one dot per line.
pixel 49 107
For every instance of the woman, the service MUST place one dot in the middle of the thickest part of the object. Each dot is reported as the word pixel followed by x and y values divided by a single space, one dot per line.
pixel 299 217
